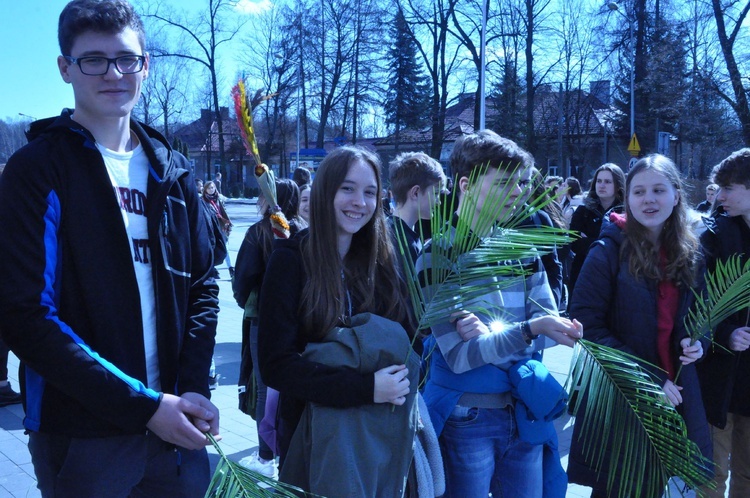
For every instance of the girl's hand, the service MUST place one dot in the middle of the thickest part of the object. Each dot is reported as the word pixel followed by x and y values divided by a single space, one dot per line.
pixel 673 393
pixel 560 330
pixel 391 385
pixel 690 353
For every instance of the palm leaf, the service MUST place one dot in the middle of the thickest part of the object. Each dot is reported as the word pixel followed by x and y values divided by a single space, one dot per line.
pixel 625 414
pixel 727 292
pixel 472 258
pixel 232 480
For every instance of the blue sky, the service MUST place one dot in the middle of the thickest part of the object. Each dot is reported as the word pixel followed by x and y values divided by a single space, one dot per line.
pixel 31 83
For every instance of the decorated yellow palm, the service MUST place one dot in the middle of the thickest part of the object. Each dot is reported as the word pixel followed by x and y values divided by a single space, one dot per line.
pixel 243 108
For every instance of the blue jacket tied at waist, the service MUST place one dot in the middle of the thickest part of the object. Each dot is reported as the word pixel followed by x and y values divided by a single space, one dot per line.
pixel 539 400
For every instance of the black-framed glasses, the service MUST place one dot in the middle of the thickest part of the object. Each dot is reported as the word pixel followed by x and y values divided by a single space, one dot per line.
pixel 96 65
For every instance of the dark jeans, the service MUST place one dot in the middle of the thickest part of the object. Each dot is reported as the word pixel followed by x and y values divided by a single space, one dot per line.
pixel 120 466
pixel 3 361
pixel 264 451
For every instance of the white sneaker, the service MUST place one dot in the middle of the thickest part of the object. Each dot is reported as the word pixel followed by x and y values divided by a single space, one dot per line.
pixel 254 463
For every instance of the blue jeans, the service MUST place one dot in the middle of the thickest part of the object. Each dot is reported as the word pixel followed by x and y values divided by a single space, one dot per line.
pixel 135 466
pixel 482 453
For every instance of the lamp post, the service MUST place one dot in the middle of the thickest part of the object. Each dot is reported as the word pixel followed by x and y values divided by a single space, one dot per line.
pixel 482 57
pixel 614 7
pixel 299 84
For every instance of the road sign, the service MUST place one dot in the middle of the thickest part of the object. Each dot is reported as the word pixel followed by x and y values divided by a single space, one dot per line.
pixel 634 148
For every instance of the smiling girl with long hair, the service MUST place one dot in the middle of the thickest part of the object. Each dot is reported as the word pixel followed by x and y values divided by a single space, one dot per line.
pixel 336 286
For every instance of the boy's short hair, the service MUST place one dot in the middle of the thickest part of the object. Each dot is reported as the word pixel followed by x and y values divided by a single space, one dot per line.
pixel 733 169
pixel 712 187
pixel 100 16
pixel 486 148
pixel 413 168
pixel 301 176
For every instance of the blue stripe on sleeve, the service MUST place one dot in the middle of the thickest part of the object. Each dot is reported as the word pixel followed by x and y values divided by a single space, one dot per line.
pixel 34 391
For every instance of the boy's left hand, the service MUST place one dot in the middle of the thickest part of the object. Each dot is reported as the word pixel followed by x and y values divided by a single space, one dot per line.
pixel 561 330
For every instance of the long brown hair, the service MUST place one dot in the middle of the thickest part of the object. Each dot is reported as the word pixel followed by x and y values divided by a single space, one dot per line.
pixel 676 237
pixel 618 179
pixel 369 267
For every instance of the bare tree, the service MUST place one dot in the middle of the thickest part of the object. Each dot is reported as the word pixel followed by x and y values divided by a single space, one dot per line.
pixel 724 14
pixel 165 92
pixel 201 40
pixel 12 137
pixel 579 59
pixel 430 20
pixel 533 20
pixel 467 29
pixel 509 96
pixel 337 33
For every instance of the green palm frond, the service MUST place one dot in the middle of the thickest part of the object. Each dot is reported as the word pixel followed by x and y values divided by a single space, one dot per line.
pixel 625 414
pixel 232 480
pixel 727 291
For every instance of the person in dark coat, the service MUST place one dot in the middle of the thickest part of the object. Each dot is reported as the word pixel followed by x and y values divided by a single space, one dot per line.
pixel 607 193
pixel 549 216
pixel 633 293
pixel 416 183
pixel 707 205
pixel 723 374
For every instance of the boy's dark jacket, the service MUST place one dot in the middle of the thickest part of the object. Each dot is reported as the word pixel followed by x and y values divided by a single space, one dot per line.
pixel 69 300
pixel 724 373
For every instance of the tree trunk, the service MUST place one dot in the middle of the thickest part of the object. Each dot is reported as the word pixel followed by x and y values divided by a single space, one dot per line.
pixel 740 103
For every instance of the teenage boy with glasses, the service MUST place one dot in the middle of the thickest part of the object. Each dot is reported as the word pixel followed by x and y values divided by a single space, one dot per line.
pixel 468 392
pixel 106 294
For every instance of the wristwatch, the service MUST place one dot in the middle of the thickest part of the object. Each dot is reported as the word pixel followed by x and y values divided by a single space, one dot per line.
pixel 526 332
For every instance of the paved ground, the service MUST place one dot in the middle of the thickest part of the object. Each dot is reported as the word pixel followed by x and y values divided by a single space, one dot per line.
pixel 238 430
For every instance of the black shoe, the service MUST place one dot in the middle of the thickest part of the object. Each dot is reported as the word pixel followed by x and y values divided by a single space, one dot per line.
pixel 213 382
pixel 231 272
pixel 216 274
pixel 8 396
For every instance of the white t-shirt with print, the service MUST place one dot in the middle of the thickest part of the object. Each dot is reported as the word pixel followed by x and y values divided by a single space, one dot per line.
pixel 128 172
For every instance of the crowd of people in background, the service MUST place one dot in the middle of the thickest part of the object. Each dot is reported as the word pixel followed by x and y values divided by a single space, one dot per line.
pixel 117 379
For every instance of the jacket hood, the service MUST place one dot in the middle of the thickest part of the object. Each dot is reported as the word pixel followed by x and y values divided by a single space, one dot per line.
pixel 613 227
pixel 159 153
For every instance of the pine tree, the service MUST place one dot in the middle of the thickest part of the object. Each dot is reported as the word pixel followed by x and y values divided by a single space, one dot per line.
pixel 408 96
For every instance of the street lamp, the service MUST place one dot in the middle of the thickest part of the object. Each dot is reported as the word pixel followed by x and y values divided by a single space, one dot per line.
pixel 614 7
pixel 27 116
pixel 482 57
pixel 299 84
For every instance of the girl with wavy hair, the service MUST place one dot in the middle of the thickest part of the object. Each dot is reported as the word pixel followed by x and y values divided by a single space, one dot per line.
pixel 633 293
